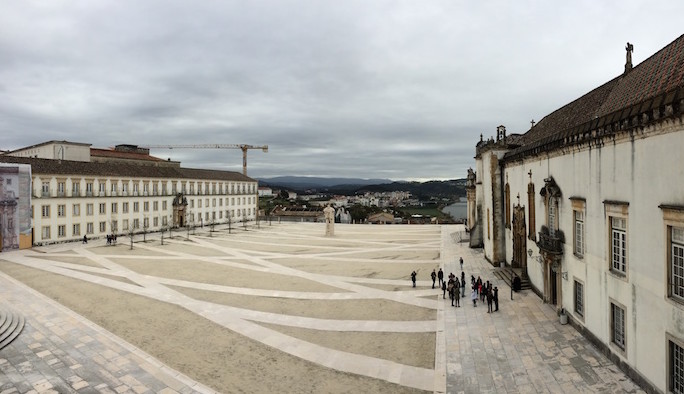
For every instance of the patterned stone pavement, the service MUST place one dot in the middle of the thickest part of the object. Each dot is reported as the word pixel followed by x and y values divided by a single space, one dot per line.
pixel 520 349
pixel 61 352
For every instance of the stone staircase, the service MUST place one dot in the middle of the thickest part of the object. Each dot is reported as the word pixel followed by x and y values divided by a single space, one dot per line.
pixel 11 325
pixel 506 274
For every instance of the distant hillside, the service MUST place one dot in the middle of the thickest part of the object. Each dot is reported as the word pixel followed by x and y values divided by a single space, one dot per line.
pixel 447 189
pixel 310 182
pixel 351 186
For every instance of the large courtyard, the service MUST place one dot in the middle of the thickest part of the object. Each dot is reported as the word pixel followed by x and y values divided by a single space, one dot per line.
pixel 281 308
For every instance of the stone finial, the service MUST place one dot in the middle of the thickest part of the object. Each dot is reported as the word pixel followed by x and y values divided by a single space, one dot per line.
pixel 628 64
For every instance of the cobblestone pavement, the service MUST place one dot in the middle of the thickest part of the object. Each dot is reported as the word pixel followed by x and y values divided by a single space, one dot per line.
pixel 520 349
pixel 61 352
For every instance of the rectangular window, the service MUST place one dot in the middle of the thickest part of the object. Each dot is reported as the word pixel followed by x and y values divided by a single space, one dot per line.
pixel 103 208
pixel 618 237
pixel 155 220
pixel 676 368
pixel 77 229
pixel 60 189
pixel 89 209
pixel 45 232
pixel 163 205
pixel 89 228
pixel 74 189
pixel 103 227
pixel 61 230
pixel 125 224
pixel 164 220
pixel 102 188
pixel 77 210
pixel 115 207
pixel 617 325
pixel 199 203
pixel 146 222
pixel 146 206
pixel 136 224
pixel 155 205
pixel 579 233
pixel 61 210
pixel 124 207
pixel 579 298
pixel 45 211
pixel 89 189
pixel 136 206
pixel 45 189
pixel 115 226
pixel 677 261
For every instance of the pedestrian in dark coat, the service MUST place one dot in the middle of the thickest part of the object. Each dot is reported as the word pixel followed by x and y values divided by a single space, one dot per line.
pixel 440 276
pixel 444 288
pixel 456 298
pixel 434 278
pixel 413 278
pixel 496 299
pixel 490 297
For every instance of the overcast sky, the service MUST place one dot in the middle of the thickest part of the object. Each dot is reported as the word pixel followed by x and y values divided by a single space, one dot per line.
pixel 369 89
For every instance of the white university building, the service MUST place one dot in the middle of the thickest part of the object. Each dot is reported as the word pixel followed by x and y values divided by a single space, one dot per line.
pixel 79 191
pixel 588 207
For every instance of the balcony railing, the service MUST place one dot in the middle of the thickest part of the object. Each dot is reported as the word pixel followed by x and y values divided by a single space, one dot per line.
pixel 552 244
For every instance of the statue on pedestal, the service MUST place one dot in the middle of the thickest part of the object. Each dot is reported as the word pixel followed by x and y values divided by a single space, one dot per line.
pixel 329 221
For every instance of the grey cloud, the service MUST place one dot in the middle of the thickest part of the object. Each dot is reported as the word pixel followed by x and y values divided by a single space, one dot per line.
pixel 355 88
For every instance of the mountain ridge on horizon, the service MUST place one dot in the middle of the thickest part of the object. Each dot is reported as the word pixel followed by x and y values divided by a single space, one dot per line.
pixel 316 181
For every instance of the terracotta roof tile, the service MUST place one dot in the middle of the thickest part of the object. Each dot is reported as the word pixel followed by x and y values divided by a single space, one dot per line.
pixel 122 169
pixel 623 96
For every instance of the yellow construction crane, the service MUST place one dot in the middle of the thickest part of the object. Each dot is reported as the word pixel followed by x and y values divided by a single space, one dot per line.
pixel 242 147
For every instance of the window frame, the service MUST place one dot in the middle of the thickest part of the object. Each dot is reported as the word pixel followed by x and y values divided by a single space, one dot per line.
pixel 581 311
pixel 671 343
pixel 673 218
pixel 617 210
pixel 618 327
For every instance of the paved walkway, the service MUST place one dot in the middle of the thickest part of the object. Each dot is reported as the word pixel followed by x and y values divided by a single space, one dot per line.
pixel 59 351
pixel 520 349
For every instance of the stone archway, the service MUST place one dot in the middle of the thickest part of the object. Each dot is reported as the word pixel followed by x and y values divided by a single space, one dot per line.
pixel 180 203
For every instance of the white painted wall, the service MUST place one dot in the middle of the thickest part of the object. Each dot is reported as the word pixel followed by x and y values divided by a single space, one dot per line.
pixel 645 172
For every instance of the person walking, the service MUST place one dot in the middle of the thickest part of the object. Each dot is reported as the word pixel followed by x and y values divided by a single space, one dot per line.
pixel 457 284
pixel 452 292
pixel 462 284
pixel 434 278
pixel 461 261
pixel 473 296
pixel 413 278
pixel 440 276
pixel 444 289
pixel 490 297
pixel 85 239
pixel 496 299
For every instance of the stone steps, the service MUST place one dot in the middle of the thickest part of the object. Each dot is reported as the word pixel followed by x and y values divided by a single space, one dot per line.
pixel 11 325
pixel 507 273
